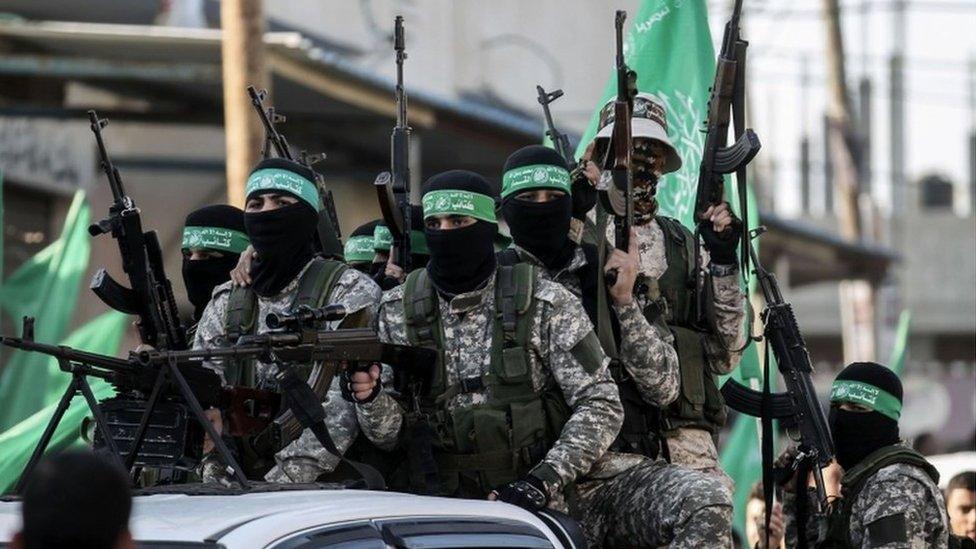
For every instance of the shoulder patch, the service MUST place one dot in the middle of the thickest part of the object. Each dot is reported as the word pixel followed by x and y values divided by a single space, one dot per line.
pixel 887 530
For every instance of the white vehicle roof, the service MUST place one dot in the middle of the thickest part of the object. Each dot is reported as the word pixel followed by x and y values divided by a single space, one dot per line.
pixel 258 519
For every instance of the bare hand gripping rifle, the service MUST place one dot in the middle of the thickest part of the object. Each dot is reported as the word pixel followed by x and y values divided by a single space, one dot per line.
pixel 393 187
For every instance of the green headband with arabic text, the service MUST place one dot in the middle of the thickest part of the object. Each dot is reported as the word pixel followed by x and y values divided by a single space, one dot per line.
pixel 288 181
pixel 535 176
pixel 382 240
pixel 865 394
pixel 214 238
pixel 457 202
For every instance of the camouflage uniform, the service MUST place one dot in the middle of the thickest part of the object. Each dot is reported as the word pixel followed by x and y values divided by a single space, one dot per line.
pixel 695 448
pixel 628 500
pixel 899 497
pixel 558 325
pixel 304 459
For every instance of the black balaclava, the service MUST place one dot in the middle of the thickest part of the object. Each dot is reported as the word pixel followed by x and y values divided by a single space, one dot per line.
pixel 283 238
pixel 219 228
pixel 461 260
pixel 541 228
pixel 858 434
pixel 358 251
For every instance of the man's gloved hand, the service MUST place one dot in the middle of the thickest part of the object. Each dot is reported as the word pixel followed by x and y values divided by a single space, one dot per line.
pixel 584 189
pixel 528 493
pixel 720 232
pixel 361 384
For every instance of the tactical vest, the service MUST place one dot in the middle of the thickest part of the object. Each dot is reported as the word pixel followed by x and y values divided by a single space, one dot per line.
pixel 853 481
pixel 314 288
pixel 700 404
pixel 640 432
pixel 469 451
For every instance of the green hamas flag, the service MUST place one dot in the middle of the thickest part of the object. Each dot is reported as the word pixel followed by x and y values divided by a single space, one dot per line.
pixel 102 335
pixel 899 354
pixel 45 287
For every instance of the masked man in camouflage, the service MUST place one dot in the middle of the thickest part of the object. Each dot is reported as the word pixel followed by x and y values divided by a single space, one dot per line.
pixel 521 402
pixel 281 215
pixel 358 249
pixel 889 493
pixel 666 258
pixel 632 497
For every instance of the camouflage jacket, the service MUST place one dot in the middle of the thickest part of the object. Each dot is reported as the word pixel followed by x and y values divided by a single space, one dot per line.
pixel 899 507
pixel 720 348
pixel 559 324
pixel 646 351
pixel 303 459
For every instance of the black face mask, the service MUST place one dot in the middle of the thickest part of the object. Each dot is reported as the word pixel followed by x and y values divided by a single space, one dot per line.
pixel 858 434
pixel 461 260
pixel 376 268
pixel 282 239
pixel 201 276
pixel 542 228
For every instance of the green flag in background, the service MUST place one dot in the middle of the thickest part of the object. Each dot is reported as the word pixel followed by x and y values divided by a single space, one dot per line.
pixel 45 287
pixel 669 45
pixel 899 353
pixel 102 335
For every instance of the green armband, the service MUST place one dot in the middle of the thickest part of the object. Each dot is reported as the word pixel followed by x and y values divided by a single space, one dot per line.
pixel 589 353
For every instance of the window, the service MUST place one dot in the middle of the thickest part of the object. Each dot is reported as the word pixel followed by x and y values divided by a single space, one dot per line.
pixel 937 192
pixel 422 533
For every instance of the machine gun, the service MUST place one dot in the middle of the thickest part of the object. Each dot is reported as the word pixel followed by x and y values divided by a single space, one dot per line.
pixel 798 409
pixel 393 187
pixel 168 389
pixel 727 99
pixel 329 234
pixel 620 198
pixel 150 295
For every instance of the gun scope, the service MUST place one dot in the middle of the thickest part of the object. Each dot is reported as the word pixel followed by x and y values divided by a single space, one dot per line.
pixel 305 315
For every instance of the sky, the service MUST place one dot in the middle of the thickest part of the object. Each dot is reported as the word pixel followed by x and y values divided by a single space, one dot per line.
pixel 788 36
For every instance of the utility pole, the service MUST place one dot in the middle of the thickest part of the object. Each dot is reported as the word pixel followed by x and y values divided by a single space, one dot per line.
pixel 857 297
pixel 804 135
pixel 242 54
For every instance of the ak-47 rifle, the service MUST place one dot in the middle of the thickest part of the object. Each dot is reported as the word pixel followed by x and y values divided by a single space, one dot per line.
pixel 798 409
pixel 560 141
pixel 276 142
pixel 727 99
pixel 393 187
pixel 150 295
pixel 170 384
pixel 618 160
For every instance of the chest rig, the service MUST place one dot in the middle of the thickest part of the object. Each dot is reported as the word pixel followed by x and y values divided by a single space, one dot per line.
pixel 470 450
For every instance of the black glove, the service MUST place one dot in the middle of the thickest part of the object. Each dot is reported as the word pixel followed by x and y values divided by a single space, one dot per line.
pixel 528 493
pixel 722 246
pixel 584 195
pixel 345 385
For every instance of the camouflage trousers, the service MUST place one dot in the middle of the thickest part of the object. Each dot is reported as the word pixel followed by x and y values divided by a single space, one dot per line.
pixel 695 449
pixel 653 504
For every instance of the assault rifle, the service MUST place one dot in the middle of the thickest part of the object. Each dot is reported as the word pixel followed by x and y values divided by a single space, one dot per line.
pixel 393 187
pixel 150 295
pixel 275 142
pixel 798 409
pixel 727 99
pixel 560 141
pixel 620 199
pixel 167 389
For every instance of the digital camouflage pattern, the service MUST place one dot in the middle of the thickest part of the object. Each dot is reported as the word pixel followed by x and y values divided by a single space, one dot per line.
pixel 558 325
pixel 654 503
pixel 647 351
pixel 899 507
pixel 629 500
pixel 303 459
pixel 695 448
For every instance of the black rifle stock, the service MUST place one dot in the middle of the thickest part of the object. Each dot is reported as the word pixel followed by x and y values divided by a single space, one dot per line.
pixel 393 188
pixel 150 294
